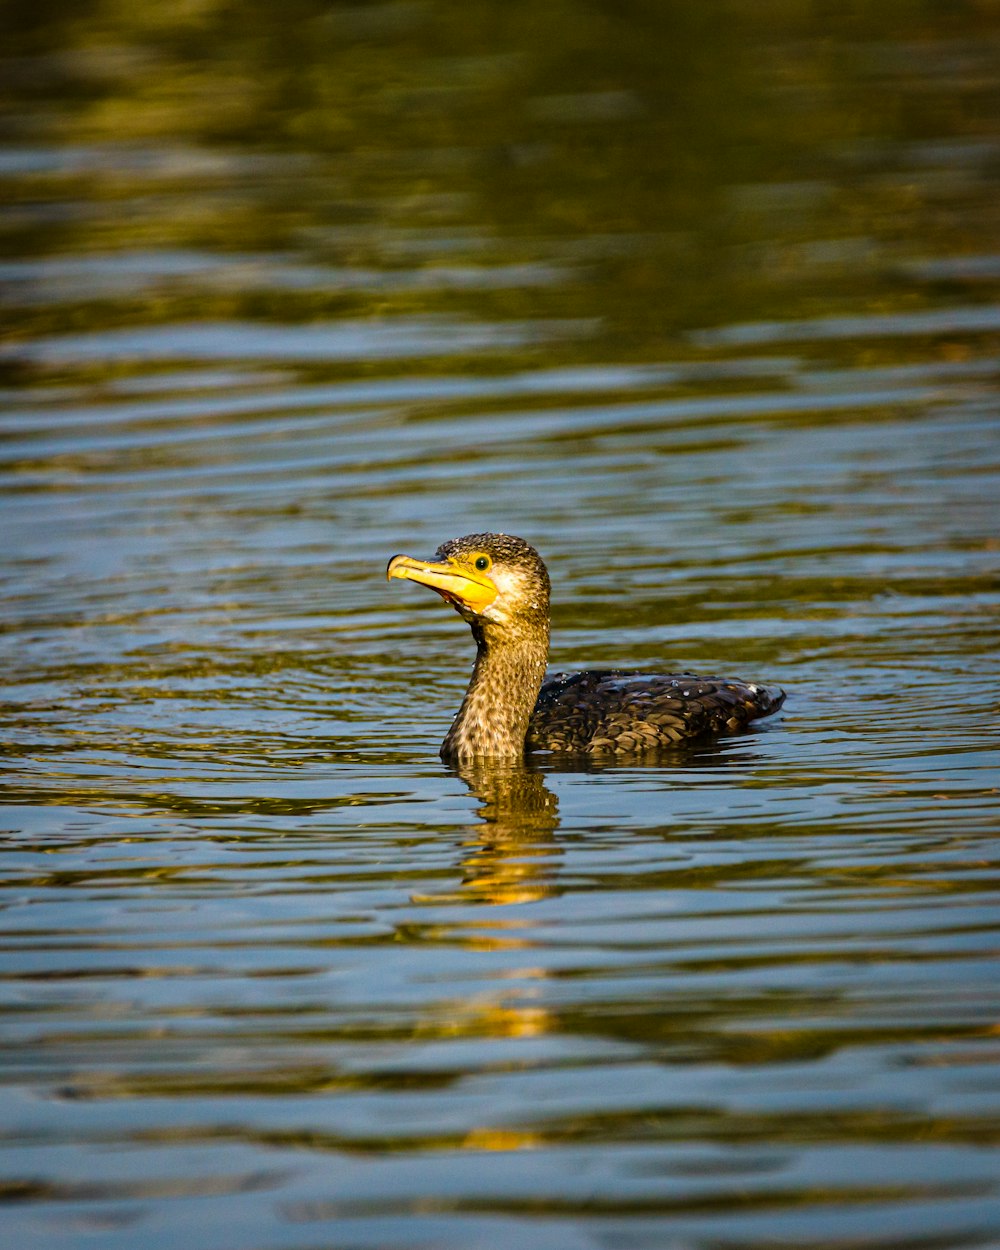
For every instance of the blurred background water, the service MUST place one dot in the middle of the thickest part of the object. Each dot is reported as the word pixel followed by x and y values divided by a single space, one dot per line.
pixel 703 299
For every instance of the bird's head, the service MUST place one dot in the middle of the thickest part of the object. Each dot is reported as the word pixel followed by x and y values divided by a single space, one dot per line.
pixel 494 581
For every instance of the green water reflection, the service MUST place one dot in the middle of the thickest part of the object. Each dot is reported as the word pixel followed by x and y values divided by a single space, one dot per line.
pixel 651 168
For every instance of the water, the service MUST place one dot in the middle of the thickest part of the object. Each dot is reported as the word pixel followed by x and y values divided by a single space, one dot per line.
pixel 703 303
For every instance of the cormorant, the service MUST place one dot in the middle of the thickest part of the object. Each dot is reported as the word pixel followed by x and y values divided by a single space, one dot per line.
pixel 500 586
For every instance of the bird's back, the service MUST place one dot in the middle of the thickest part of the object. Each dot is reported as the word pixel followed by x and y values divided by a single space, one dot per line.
pixel 616 712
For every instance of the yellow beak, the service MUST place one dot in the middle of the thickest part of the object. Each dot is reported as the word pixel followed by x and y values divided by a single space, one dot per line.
pixel 461 585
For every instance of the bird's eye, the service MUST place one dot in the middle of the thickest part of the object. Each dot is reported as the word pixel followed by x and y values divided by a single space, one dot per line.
pixel 482 563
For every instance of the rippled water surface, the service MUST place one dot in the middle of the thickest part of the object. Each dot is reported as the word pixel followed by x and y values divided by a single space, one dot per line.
pixel 704 301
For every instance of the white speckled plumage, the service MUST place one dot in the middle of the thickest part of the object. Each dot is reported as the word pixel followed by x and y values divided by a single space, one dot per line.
pixel 510 705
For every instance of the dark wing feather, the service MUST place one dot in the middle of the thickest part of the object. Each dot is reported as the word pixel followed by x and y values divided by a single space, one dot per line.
pixel 604 710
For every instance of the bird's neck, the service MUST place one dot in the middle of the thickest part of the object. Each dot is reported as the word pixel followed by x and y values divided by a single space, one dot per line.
pixel 506 679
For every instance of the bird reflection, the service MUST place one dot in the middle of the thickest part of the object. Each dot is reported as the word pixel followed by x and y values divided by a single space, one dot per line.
pixel 511 860
pixel 512 851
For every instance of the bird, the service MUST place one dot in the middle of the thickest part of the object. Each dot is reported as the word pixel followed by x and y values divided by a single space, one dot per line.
pixel 500 586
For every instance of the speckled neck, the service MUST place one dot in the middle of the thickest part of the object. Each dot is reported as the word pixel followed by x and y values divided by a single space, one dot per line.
pixel 506 679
